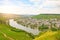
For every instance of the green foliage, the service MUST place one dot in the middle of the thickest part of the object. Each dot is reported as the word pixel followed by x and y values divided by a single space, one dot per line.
pixel 47 16
pixel 43 27
pixel 11 32
pixel 49 35
pixel 18 30
pixel 54 29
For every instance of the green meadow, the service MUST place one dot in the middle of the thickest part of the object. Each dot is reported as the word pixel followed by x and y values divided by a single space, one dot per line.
pixel 9 33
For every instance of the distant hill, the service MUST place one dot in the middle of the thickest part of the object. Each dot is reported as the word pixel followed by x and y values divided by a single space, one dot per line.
pixel 5 15
pixel 46 16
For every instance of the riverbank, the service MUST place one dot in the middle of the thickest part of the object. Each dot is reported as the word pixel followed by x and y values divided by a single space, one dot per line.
pixel 27 29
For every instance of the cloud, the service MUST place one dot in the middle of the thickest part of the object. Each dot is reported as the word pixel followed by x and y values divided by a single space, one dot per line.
pixel 50 6
pixel 35 1
pixel 8 7
pixel 39 6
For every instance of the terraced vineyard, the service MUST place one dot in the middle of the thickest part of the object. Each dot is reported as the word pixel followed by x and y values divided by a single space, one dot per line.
pixel 9 33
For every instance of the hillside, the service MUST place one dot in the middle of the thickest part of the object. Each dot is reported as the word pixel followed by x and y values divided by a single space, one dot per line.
pixel 46 16
pixel 9 33
pixel 49 35
pixel 7 16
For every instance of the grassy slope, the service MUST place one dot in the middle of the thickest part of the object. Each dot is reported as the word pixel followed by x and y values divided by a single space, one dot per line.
pixel 7 34
pixel 47 16
pixel 49 35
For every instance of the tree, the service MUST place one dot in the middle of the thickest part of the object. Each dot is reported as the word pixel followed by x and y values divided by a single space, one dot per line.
pixel 43 27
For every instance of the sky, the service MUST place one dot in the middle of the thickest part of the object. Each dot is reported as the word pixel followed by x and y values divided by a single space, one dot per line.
pixel 29 7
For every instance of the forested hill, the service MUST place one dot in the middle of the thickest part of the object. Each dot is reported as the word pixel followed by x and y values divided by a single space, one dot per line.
pixel 46 16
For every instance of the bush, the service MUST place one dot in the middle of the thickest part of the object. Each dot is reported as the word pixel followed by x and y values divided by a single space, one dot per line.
pixel 43 27
pixel 54 29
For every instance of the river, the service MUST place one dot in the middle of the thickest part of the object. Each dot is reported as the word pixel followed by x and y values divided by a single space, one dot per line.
pixel 27 29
